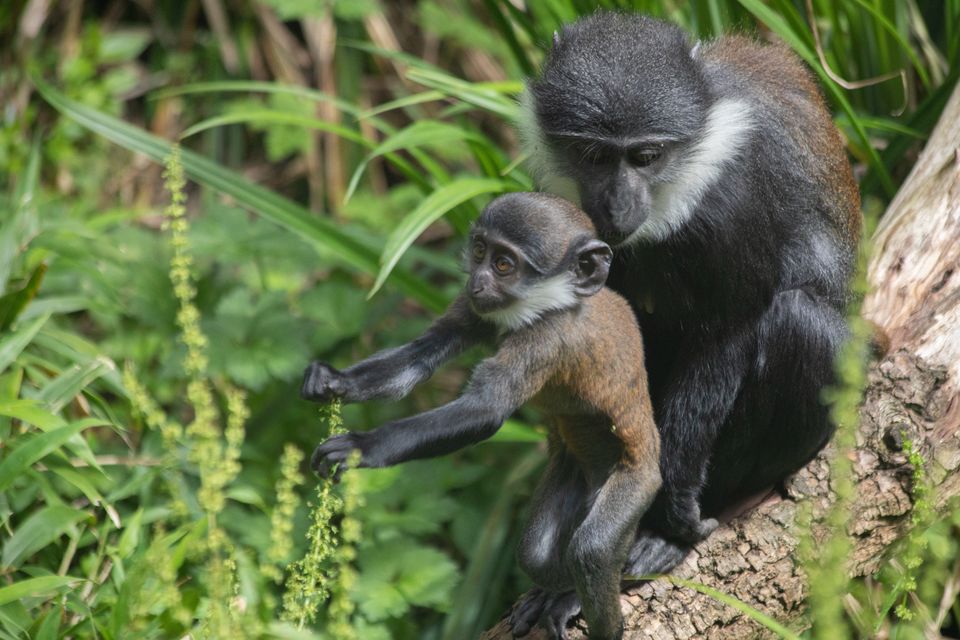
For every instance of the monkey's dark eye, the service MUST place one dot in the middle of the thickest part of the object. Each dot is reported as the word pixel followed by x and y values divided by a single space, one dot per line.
pixel 503 265
pixel 644 156
pixel 478 251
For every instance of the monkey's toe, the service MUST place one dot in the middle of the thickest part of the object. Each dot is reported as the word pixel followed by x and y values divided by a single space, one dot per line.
pixel 526 613
pixel 708 526
pixel 558 613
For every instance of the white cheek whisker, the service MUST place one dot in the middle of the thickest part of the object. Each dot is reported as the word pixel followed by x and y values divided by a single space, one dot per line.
pixel 551 294
pixel 726 134
pixel 543 167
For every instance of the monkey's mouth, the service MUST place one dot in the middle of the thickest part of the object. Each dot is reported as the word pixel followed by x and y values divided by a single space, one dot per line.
pixel 484 304
pixel 612 233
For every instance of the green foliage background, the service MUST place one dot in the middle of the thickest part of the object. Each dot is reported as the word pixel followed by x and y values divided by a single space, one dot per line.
pixel 338 150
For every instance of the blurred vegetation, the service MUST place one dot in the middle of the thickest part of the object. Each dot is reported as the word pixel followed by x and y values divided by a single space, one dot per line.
pixel 336 148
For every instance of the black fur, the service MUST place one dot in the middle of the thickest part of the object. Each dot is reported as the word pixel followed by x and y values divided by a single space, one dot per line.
pixel 741 307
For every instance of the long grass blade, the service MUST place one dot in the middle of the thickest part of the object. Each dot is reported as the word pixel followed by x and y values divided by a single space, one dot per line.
pixel 431 209
pixel 779 25
pixel 35 448
pixel 757 616
pixel 320 232
pixel 12 344
pixel 32 587
pixel 419 134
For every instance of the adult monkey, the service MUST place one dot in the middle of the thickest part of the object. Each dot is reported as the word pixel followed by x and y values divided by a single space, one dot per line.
pixel 717 174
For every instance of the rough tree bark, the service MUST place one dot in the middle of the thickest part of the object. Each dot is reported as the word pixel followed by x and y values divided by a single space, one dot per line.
pixel 915 280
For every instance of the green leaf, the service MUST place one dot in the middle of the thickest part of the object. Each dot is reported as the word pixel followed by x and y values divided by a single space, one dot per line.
pixel 516 431
pixel 123 45
pixel 40 529
pixel 35 448
pixel 427 578
pixel 377 599
pixel 31 412
pixel 488 96
pixel 321 232
pixel 131 535
pixel 269 116
pixel 33 587
pixel 779 25
pixel 19 229
pixel 69 384
pixel 14 343
pixel 420 133
pixel 433 207
pixel 402 103
pixel 78 480
pixel 50 626
pixel 13 303
pixel 247 495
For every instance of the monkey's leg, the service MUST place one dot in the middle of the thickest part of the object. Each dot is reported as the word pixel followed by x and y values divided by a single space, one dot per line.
pixel 598 550
pixel 558 505
pixel 777 424
pixel 779 421
pixel 706 380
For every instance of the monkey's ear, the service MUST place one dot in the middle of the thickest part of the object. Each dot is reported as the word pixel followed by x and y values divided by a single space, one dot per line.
pixel 593 265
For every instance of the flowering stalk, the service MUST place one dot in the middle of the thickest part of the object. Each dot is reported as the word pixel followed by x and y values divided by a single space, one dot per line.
pixel 330 547
pixel 215 455
pixel 281 520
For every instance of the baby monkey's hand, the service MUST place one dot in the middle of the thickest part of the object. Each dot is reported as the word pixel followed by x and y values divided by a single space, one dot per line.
pixel 322 383
pixel 330 458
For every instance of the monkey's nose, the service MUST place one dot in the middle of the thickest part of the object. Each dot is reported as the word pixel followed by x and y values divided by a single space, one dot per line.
pixel 477 288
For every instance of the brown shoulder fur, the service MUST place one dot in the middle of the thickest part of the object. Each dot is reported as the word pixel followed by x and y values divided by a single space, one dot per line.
pixel 604 368
pixel 781 80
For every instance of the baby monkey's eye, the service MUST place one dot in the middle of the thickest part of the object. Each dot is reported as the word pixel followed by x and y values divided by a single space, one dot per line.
pixel 503 265
pixel 478 251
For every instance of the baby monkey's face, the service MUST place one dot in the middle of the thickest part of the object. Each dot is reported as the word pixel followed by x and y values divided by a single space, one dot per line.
pixel 497 268
pixel 530 254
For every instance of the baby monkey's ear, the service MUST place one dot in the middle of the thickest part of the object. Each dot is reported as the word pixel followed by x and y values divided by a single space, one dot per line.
pixel 593 265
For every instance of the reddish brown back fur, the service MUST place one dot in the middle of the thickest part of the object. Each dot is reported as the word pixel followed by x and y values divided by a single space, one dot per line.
pixel 603 368
pixel 784 83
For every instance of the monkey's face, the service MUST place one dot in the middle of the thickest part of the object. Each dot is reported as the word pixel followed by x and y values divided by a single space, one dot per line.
pixel 497 268
pixel 617 181
pixel 617 111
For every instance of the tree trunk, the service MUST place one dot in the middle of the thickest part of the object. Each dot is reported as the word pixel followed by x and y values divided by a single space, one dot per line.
pixel 915 299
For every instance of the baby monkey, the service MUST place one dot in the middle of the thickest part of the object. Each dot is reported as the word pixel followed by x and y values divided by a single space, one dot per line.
pixel 536 292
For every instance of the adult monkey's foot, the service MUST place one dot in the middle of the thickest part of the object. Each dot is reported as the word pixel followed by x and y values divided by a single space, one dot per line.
pixel 651 554
pixel 527 612
pixel 559 611
pixel 553 611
